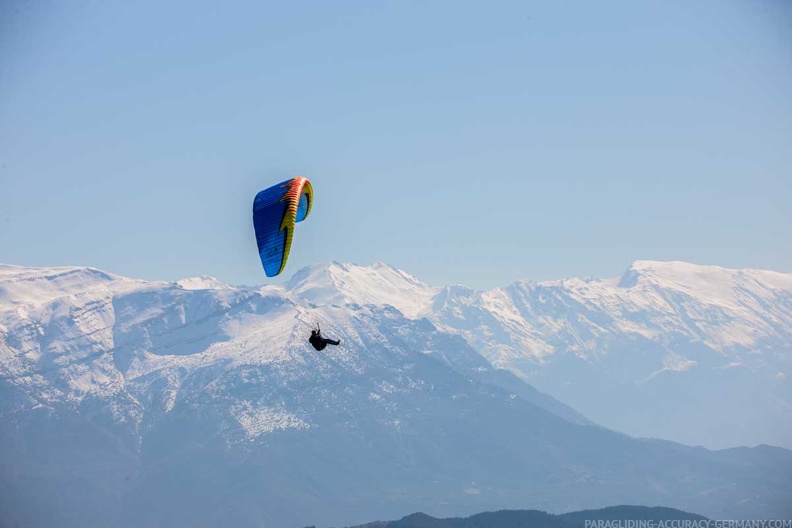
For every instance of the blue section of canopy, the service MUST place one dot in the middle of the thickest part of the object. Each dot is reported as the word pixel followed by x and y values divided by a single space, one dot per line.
pixel 269 211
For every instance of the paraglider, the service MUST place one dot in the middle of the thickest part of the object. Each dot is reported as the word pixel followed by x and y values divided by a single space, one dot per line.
pixel 275 211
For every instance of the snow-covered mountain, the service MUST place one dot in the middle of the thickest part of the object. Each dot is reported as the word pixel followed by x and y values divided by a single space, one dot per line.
pixel 336 282
pixel 135 403
pixel 696 354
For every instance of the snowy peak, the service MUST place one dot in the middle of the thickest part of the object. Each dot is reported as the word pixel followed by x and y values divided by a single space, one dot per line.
pixel 701 281
pixel 456 294
pixel 712 285
pixel 66 278
pixel 203 282
pixel 36 286
pixel 684 275
pixel 338 283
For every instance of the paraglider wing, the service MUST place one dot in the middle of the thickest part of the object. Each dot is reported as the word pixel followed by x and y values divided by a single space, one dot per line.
pixel 275 211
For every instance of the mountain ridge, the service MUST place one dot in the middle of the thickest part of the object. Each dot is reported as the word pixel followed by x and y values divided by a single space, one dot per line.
pixel 610 516
pixel 158 400
pixel 657 324
pixel 600 345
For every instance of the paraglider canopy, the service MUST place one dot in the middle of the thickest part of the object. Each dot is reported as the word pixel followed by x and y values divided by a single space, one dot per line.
pixel 275 211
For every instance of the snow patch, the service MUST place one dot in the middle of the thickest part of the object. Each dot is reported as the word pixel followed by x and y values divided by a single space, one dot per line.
pixel 677 363
pixel 672 363
pixel 257 421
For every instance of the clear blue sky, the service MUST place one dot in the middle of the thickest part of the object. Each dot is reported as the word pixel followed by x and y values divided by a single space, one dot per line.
pixel 465 142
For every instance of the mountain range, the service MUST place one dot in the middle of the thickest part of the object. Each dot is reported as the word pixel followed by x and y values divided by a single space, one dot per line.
pixel 194 403
pixel 696 354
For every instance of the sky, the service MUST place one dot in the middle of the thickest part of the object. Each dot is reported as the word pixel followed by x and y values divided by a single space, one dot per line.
pixel 464 142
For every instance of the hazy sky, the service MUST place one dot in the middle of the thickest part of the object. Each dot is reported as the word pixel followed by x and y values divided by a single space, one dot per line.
pixel 465 142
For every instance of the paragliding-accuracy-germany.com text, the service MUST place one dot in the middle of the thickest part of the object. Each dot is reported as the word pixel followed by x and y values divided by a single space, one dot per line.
pixel 689 523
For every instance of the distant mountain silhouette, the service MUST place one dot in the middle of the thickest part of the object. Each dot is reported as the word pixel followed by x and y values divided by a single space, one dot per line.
pixel 540 519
